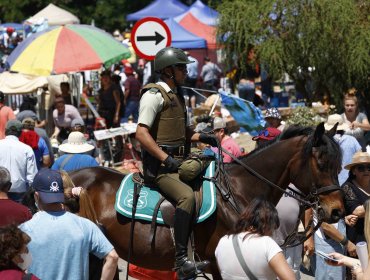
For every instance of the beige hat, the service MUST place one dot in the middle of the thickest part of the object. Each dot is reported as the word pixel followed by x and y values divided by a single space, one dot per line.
pixel 76 144
pixel 358 158
pixel 218 123
pixel 333 119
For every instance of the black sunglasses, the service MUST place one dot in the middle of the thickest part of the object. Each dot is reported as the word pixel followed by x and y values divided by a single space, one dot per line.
pixel 363 167
pixel 181 67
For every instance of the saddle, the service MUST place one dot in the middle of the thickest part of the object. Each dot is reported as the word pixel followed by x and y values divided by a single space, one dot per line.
pixel 154 208
pixel 166 207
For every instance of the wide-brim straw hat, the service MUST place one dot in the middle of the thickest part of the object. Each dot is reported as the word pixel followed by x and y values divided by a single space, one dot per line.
pixel 333 119
pixel 358 158
pixel 76 144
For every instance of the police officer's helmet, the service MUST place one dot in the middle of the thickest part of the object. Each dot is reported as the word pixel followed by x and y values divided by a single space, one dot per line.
pixel 170 56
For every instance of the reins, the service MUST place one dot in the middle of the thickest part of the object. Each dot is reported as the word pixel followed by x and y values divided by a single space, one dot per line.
pixel 268 182
pixel 305 202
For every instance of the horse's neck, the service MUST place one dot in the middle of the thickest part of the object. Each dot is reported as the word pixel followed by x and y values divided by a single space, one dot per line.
pixel 273 163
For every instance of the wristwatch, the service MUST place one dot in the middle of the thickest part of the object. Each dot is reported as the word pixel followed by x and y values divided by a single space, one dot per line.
pixel 344 241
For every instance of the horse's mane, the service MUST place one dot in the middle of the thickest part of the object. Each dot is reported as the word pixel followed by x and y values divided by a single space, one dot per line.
pixel 331 148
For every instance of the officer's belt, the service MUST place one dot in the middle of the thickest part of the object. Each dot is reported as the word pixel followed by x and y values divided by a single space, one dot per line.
pixel 178 151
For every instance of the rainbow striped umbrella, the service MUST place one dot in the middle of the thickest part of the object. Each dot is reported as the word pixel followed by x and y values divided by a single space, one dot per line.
pixel 64 49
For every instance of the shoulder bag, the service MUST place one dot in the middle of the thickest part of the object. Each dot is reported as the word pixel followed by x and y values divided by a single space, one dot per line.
pixel 241 259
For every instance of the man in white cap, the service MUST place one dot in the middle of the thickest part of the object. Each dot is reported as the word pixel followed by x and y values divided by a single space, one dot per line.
pixel 75 156
pixel 227 142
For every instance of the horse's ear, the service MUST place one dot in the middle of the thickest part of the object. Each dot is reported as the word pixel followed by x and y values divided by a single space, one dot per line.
pixel 332 131
pixel 319 133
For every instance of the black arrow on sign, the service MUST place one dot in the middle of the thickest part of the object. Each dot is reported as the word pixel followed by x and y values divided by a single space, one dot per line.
pixel 157 38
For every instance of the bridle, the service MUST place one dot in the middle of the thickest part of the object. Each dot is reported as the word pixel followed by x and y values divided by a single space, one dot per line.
pixel 309 201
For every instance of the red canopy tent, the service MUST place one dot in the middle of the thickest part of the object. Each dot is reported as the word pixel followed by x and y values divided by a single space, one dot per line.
pixel 192 24
pixel 207 32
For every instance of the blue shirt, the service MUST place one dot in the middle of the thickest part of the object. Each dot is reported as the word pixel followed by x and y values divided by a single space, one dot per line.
pixel 77 161
pixel 19 159
pixel 41 151
pixel 192 68
pixel 61 243
pixel 349 146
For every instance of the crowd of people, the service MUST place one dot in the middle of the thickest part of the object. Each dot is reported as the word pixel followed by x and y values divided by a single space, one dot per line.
pixel 63 241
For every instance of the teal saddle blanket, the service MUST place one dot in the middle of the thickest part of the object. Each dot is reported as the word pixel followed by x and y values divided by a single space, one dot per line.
pixel 149 198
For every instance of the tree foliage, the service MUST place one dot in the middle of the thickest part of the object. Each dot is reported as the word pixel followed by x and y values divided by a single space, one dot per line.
pixel 330 37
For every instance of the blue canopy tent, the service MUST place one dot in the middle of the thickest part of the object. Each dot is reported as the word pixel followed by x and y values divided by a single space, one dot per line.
pixel 15 26
pixel 201 12
pixel 183 39
pixel 161 9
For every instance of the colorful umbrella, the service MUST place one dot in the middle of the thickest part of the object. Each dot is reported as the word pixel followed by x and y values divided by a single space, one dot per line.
pixel 68 48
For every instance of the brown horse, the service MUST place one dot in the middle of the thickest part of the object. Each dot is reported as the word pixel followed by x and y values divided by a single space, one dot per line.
pixel 308 158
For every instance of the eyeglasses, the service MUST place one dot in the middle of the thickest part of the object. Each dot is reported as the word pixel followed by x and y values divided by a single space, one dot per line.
pixel 363 167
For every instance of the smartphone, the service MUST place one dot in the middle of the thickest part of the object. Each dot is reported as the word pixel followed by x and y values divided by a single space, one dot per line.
pixel 325 256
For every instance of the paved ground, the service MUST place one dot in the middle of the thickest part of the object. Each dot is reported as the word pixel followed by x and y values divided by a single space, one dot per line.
pixel 122 274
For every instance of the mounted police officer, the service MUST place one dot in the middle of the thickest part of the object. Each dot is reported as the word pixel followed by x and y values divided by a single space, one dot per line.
pixel 165 141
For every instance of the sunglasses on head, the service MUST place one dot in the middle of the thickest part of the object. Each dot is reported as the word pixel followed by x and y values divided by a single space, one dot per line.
pixel 363 167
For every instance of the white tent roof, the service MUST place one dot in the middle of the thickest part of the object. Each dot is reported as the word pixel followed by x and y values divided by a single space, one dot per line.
pixel 55 16
pixel 16 83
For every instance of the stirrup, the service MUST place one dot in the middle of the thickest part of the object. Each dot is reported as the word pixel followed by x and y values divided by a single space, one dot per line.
pixel 190 269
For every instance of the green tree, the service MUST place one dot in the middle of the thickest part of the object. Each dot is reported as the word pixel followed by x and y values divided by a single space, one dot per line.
pixel 331 38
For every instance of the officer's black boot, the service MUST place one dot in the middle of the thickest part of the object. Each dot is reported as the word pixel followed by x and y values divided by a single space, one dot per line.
pixel 185 268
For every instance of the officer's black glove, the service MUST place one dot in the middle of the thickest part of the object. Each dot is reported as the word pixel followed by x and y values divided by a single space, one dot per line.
pixel 208 139
pixel 171 164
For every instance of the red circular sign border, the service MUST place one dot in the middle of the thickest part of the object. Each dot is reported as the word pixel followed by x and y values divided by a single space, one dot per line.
pixel 136 26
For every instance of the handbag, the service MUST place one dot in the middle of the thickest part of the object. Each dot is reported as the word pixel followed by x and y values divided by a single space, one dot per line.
pixel 241 259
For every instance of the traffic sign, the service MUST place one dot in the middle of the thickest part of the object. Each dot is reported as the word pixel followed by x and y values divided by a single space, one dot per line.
pixel 150 35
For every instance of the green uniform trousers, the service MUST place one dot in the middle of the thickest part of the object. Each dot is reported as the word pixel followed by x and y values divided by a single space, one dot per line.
pixel 176 190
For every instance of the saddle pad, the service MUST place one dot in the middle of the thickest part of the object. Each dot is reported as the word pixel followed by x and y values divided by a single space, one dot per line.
pixel 150 196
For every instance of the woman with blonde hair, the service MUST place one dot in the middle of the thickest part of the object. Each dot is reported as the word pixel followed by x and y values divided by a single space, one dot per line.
pixel 78 201
pixel 75 197
pixel 357 121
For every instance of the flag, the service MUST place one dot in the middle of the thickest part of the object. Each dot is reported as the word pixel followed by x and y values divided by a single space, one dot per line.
pixel 248 116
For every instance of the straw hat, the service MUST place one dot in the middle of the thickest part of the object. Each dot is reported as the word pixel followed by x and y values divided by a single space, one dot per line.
pixel 333 119
pixel 358 158
pixel 76 144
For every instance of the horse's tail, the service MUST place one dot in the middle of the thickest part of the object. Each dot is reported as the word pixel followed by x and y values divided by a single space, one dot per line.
pixel 86 207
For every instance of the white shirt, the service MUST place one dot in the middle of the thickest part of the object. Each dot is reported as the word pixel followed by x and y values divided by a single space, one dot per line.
pixel 257 252
pixel 19 159
pixel 150 105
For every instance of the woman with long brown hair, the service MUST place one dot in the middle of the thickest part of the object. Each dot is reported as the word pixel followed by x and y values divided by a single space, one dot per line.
pixel 357 121
pixel 259 251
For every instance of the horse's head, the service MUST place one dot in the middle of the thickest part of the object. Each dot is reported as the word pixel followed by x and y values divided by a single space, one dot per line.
pixel 322 157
